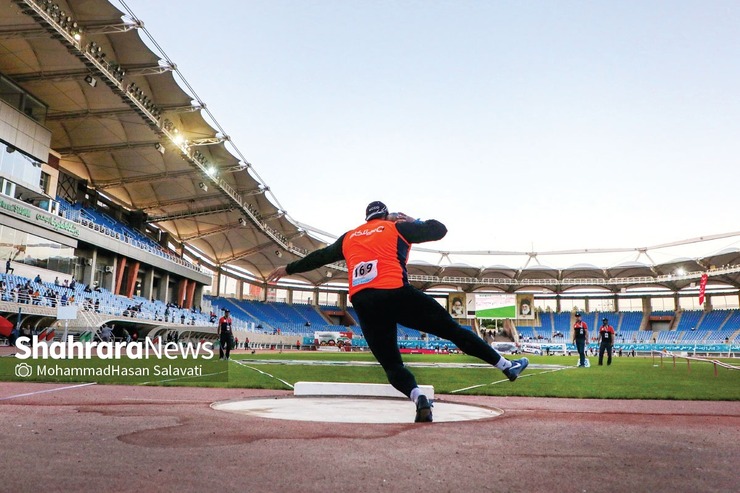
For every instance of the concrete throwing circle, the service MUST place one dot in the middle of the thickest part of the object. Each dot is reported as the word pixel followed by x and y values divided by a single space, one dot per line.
pixel 351 410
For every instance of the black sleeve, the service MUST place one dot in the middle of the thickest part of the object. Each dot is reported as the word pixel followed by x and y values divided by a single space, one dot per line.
pixel 314 260
pixel 421 231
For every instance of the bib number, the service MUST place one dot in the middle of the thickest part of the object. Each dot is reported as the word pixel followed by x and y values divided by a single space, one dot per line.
pixel 364 272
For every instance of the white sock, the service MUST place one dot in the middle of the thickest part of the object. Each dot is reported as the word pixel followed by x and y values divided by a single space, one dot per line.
pixel 415 393
pixel 503 364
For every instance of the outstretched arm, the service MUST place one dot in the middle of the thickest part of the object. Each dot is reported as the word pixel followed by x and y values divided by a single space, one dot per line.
pixel 277 274
pixel 314 260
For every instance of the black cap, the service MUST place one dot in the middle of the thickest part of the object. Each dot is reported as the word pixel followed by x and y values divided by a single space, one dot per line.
pixel 375 209
pixel 226 310
pixel 578 314
pixel 604 319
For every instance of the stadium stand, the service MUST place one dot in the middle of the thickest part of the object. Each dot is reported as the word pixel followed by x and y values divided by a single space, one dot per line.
pixel 103 223
pixel 690 319
pixel 693 326
pixel 630 321
pixel 547 328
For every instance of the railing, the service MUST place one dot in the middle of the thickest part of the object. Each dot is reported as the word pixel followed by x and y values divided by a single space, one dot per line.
pixel 614 281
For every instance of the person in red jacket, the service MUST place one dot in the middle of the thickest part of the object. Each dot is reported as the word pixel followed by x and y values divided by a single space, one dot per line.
pixel 606 340
pixel 376 253
pixel 225 335
pixel 580 339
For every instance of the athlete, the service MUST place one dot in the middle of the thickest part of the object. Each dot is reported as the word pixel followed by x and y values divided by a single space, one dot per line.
pixel 580 337
pixel 606 339
pixel 376 253
pixel 226 337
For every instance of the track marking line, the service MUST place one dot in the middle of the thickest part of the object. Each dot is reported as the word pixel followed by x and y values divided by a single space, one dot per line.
pixel 181 378
pixel 506 379
pixel 262 372
pixel 48 390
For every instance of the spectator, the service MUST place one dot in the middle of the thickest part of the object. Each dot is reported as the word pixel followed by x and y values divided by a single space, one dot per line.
pixel 14 335
pixel 8 268
pixel 106 334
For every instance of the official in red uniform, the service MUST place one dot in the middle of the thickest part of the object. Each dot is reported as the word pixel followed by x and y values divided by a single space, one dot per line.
pixel 580 339
pixel 606 340
pixel 376 253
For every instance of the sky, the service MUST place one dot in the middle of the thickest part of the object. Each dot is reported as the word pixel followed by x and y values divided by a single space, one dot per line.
pixel 521 125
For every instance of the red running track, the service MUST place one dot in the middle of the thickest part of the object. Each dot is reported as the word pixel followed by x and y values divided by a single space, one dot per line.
pixel 148 439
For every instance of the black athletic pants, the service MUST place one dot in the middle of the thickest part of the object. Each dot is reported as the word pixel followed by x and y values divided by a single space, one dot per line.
pixel 608 348
pixel 581 347
pixel 224 346
pixel 379 310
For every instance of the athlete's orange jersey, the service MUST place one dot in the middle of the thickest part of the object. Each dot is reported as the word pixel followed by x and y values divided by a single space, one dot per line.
pixel 376 256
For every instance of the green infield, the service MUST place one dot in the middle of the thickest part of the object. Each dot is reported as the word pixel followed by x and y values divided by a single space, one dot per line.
pixel 548 376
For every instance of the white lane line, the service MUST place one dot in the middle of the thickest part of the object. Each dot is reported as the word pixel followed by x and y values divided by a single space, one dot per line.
pixel 262 372
pixel 506 379
pixel 182 378
pixel 48 390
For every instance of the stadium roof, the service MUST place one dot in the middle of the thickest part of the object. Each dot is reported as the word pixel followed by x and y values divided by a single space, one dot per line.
pixel 123 118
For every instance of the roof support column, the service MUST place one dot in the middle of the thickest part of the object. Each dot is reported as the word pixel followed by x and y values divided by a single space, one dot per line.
pixel 164 288
pixel 190 292
pixel 216 286
pixel 148 284
pixel 133 274
pixel 119 275
pixel 181 286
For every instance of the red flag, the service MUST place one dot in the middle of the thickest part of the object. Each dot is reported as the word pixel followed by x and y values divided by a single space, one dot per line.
pixel 6 327
pixel 702 287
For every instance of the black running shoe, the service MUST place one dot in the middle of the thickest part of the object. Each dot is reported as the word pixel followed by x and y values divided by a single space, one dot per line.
pixel 423 410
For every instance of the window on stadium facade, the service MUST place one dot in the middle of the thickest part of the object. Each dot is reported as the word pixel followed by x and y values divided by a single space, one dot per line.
pixel 19 168
pixel 36 251
pixel 22 101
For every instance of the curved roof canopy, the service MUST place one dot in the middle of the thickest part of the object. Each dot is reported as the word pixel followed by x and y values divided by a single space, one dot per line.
pixel 120 119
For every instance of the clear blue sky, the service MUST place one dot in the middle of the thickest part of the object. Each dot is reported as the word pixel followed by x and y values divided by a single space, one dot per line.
pixel 520 125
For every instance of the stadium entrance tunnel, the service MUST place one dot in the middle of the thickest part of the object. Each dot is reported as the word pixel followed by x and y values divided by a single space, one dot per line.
pixel 351 409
